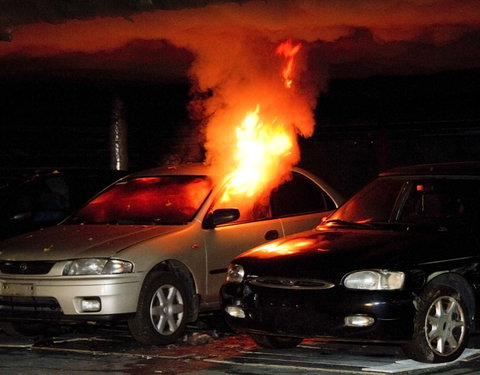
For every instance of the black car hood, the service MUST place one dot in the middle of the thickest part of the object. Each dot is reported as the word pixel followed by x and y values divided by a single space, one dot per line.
pixel 334 251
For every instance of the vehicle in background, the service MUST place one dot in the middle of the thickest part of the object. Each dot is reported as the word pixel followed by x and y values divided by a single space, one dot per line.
pixel 398 262
pixel 33 198
pixel 151 249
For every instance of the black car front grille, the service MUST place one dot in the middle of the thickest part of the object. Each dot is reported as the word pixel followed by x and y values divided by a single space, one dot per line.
pixel 288 283
pixel 14 306
pixel 25 268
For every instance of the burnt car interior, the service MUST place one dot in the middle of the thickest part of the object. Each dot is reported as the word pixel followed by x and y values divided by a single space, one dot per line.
pixel 147 200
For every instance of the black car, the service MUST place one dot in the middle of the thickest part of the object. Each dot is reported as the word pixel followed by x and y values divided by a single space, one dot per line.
pixel 399 262
pixel 33 198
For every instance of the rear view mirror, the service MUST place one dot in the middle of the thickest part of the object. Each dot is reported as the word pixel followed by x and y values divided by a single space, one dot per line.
pixel 221 216
pixel 424 187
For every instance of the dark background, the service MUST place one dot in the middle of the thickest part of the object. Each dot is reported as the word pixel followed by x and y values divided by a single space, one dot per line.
pixel 363 125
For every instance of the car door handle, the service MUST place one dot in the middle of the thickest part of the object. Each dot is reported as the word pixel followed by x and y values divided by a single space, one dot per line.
pixel 271 235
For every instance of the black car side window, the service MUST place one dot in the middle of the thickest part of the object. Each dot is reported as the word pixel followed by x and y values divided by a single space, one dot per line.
pixel 298 196
pixel 53 200
pixel 441 201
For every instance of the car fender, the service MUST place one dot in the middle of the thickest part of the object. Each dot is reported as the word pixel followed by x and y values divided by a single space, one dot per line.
pixel 459 282
pixel 184 248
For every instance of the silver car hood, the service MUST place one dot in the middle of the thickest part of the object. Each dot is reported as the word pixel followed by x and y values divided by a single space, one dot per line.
pixel 78 241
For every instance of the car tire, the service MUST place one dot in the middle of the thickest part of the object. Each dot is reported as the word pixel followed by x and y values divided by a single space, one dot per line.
pixel 441 326
pixel 161 315
pixel 276 342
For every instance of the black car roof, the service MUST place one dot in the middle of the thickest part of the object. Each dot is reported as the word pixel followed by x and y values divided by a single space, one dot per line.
pixel 467 168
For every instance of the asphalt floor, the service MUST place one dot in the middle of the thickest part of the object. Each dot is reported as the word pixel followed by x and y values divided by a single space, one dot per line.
pixel 207 349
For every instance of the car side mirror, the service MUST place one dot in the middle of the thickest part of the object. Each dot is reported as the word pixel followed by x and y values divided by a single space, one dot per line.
pixel 221 216
pixel 22 216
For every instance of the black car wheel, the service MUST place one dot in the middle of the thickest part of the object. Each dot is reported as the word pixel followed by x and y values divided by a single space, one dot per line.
pixel 161 314
pixel 276 342
pixel 441 326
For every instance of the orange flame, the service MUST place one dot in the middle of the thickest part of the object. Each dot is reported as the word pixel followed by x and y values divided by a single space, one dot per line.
pixel 259 148
pixel 265 143
pixel 288 50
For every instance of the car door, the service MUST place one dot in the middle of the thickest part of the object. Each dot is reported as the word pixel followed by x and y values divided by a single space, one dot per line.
pixel 300 204
pixel 225 242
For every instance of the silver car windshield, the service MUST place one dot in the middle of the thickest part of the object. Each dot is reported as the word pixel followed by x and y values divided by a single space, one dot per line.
pixel 164 200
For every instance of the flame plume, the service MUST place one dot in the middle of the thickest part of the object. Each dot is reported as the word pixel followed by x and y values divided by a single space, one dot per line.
pixel 287 50
pixel 259 146
pixel 265 144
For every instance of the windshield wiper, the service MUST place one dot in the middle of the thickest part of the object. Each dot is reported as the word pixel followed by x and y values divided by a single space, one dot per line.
pixel 349 223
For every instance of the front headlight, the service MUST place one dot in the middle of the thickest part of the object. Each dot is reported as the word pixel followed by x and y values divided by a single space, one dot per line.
pixel 374 280
pixel 96 266
pixel 235 273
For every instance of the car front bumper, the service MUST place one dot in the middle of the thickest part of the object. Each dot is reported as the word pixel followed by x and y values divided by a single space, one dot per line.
pixel 380 316
pixel 69 298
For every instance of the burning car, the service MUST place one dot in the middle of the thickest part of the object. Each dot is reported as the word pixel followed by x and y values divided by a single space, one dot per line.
pixel 398 262
pixel 151 249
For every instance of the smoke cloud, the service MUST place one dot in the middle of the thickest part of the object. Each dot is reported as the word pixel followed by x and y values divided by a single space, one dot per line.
pixel 343 31
pixel 227 50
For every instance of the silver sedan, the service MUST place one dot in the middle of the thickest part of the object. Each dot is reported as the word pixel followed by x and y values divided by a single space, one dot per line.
pixel 152 249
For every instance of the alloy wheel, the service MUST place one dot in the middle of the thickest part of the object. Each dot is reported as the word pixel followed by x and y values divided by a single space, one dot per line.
pixel 167 309
pixel 445 325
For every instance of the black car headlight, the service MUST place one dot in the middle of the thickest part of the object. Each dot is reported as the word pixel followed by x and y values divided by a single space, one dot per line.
pixel 96 266
pixel 374 280
pixel 235 273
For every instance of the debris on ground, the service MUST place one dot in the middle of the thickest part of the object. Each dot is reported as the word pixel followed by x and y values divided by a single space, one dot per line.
pixel 198 338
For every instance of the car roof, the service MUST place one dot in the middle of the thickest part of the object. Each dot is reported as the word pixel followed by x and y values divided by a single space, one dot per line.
pixel 467 168
pixel 199 169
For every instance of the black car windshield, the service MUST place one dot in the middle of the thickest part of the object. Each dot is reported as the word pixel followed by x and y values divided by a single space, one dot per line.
pixel 374 203
pixel 147 200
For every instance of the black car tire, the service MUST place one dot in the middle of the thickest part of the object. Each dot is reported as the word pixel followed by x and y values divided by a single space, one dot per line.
pixel 276 342
pixel 162 310
pixel 443 307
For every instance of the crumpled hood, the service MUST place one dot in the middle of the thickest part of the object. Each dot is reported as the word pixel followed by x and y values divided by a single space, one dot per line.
pixel 72 241
pixel 332 252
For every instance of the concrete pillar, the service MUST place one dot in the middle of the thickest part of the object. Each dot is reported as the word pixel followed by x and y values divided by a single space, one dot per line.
pixel 118 136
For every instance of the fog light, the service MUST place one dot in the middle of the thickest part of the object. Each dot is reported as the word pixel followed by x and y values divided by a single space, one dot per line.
pixel 359 321
pixel 91 304
pixel 235 311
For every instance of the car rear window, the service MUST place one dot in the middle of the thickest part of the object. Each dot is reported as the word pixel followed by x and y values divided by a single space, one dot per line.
pixel 147 200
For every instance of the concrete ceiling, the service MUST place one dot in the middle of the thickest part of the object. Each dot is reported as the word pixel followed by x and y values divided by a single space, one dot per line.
pixel 15 13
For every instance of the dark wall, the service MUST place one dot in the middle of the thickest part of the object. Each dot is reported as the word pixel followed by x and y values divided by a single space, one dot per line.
pixel 53 124
pixel 68 123
pixel 363 125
